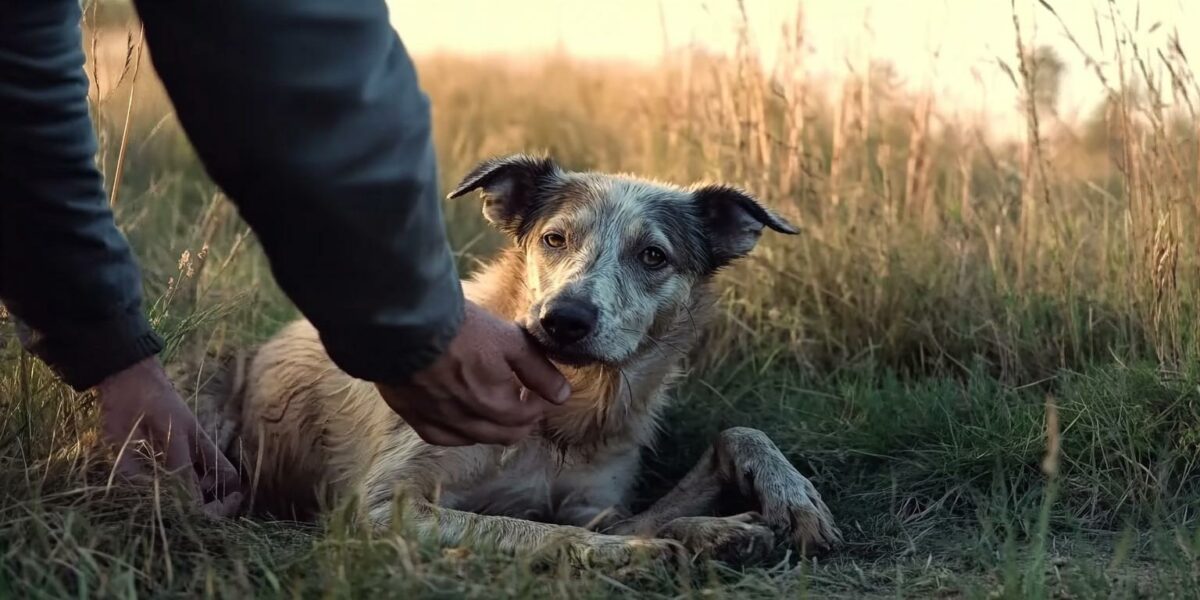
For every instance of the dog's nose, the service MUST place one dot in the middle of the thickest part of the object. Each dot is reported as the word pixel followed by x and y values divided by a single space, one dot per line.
pixel 569 320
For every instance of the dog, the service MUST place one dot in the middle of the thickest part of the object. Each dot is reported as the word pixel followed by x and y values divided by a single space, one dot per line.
pixel 628 263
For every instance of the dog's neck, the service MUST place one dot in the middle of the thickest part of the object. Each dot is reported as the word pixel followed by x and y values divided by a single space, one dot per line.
pixel 609 404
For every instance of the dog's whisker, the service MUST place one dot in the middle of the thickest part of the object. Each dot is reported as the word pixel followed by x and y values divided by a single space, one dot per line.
pixel 629 388
pixel 658 343
pixel 691 319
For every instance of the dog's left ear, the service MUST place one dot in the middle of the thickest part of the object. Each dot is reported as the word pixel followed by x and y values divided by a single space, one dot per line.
pixel 734 221
pixel 511 187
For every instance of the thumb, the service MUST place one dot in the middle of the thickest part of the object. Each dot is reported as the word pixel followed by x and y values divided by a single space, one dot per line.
pixel 536 373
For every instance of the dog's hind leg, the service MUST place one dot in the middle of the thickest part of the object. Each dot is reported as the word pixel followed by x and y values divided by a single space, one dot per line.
pixel 522 537
pixel 743 461
pixel 213 385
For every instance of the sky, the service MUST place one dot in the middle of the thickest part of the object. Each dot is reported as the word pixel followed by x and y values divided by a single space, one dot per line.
pixel 945 47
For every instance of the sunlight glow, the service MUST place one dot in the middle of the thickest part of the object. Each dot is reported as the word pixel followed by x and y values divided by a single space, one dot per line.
pixel 945 47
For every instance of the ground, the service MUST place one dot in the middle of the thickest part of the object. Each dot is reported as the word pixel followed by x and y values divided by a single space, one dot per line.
pixel 982 353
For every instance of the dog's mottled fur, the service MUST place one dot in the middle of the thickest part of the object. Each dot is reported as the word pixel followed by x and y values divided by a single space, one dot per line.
pixel 310 435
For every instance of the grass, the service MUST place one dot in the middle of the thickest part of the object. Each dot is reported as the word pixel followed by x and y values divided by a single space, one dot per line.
pixel 983 352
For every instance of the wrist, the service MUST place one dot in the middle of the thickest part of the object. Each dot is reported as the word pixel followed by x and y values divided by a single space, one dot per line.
pixel 145 371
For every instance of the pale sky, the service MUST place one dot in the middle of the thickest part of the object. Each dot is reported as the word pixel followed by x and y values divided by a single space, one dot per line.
pixel 947 47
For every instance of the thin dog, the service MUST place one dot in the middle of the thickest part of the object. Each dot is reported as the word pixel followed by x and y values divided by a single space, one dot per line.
pixel 612 275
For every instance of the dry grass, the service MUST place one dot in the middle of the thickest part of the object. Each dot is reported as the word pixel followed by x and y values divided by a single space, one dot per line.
pixel 902 349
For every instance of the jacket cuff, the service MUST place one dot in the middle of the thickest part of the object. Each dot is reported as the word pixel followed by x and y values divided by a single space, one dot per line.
pixel 88 356
pixel 392 355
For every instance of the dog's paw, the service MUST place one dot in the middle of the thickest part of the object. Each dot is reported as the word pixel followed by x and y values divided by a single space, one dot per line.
pixel 739 539
pixel 793 507
pixel 617 551
pixel 787 500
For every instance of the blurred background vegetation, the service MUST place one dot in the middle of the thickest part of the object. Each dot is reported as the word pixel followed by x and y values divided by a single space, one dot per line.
pixel 949 289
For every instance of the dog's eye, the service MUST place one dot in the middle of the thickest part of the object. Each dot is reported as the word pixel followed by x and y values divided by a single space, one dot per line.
pixel 554 240
pixel 653 257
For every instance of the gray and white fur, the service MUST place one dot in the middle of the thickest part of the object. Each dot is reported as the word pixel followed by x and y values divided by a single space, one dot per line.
pixel 612 275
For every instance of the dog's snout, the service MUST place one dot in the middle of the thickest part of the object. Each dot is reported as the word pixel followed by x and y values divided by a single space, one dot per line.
pixel 569 320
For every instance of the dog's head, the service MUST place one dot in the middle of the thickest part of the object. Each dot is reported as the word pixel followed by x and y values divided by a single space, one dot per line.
pixel 612 260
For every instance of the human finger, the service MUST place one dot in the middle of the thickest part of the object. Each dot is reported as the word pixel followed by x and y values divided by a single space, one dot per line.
pixel 536 372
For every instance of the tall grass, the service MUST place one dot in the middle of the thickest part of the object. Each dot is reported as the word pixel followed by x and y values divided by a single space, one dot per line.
pixel 901 349
pixel 925 248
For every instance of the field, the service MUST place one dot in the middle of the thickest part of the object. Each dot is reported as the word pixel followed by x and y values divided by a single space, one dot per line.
pixel 983 353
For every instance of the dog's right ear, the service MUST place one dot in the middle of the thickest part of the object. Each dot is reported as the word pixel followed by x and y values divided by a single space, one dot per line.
pixel 511 187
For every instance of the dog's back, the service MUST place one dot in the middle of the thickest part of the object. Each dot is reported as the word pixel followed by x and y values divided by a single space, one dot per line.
pixel 302 433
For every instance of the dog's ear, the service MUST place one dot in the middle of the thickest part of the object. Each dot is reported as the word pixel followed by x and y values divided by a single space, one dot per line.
pixel 734 221
pixel 510 186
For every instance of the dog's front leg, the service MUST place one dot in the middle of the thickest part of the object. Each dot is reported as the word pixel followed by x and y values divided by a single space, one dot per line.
pixel 522 537
pixel 745 461
pixel 594 495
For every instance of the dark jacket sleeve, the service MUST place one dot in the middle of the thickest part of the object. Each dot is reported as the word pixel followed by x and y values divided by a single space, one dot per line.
pixel 309 115
pixel 66 272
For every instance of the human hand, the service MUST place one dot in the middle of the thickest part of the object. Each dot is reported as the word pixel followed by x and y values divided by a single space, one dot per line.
pixel 470 395
pixel 140 409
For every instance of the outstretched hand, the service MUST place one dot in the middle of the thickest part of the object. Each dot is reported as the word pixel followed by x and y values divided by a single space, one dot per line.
pixel 472 393
pixel 145 419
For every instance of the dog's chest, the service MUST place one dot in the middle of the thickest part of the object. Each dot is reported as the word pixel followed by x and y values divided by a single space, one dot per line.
pixel 535 482
pixel 515 482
